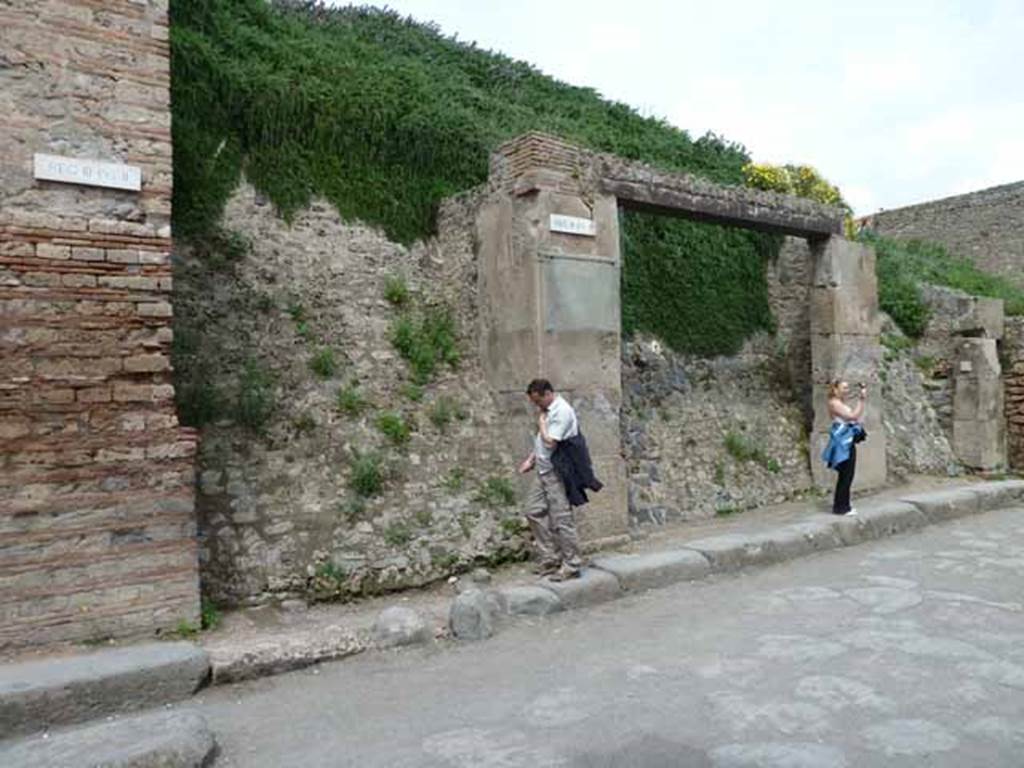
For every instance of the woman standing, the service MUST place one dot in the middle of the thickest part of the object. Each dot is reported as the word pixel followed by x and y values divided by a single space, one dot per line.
pixel 844 434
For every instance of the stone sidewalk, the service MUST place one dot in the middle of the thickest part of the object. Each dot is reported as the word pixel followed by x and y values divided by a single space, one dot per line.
pixel 268 640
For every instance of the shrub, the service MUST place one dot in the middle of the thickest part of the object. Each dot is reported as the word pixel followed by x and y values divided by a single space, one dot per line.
pixel 394 427
pixel 412 392
pixel 350 400
pixel 426 340
pixel 744 449
pixel 496 492
pixel 323 363
pixel 198 399
pixel 255 401
pixel 514 526
pixel 455 479
pixel 209 615
pixel 397 534
pixel 367 474
pixel 395 290
pixel 444 411
pixel 305 423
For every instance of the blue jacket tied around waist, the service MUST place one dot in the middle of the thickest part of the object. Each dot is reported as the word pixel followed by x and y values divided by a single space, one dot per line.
pixel 841 438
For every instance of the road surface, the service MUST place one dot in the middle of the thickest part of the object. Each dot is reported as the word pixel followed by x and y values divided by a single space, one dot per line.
pixel 904 652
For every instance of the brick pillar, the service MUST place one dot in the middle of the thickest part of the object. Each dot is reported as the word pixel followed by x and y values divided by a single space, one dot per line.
pixel 845 328
pixel 97 529
pixel 550 305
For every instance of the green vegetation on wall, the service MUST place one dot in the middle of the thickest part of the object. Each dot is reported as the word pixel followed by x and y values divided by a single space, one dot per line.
pixel 903 265
pixel 701 289
pixel 384 117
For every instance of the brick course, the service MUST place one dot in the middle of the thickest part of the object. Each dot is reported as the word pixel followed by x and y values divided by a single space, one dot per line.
pixel 97 523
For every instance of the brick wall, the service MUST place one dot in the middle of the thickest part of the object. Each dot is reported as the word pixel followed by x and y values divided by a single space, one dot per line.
pixel 97 531
pixel 1013 379
pixel 986 227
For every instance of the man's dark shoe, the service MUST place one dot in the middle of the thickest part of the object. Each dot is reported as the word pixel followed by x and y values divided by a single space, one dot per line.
pixel 565 573
pixel 546 568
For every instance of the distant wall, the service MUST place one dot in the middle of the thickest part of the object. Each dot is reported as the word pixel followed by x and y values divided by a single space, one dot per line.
pixel 986 227
pixel 97 530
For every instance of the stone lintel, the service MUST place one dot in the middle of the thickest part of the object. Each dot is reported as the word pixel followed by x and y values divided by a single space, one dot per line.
pixel 719 205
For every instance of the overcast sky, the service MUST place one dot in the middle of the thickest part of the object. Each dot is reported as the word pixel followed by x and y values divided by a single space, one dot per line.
pixel 896 101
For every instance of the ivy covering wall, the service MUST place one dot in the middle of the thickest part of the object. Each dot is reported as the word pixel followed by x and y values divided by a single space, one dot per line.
pixel 384 117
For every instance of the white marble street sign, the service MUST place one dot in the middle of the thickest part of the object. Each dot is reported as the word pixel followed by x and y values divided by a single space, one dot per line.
pixel 573 225
pixel 93 173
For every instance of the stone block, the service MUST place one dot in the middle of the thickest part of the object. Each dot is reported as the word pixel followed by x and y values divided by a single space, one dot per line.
pixel 592 587
pixel 980 444
pixel 999 494
pixel 529 601
pixel 399 625
pixel 474 614
pixel 87 254
pixel 174 739
pixel 730 552
pixel 977 399
pixel 51 251
pixel 853 358
pixel 939 506
pixel 266 654
pixel 656 569
pixel 41 694
pixel 879 519
pixel 982 357
pixel 147 363
pixel 155 309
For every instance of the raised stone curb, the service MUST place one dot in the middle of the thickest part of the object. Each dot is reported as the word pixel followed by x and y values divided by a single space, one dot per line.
pixel 37 695
pixel 945 505
pixel 176 739
pixel 282 652
pixel 529 601
pixel 878 520
pixel 1003 493
pixel 474 614
pixel 399 625
pixel 593 586
pixel 658 569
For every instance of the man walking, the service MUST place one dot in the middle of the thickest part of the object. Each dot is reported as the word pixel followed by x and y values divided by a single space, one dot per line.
pixel 548 512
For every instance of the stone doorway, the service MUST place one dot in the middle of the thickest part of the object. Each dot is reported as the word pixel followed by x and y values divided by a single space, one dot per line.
pixel 549 276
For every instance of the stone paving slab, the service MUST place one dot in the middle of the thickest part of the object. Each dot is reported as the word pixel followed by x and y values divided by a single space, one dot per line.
pixel 877 520
pixel 36 695
pixel 1002 493
pixel 165 739
pixel 940 506
pixel 529 601
pixel 592 587
pixel 280 652
pixel 655 569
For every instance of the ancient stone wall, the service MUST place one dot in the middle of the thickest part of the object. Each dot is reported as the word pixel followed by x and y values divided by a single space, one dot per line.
pixel 96 499
pixel 986 227
pixel 1013 377
pixel 279 511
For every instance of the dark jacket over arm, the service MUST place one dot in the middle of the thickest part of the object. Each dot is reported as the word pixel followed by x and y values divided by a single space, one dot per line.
pixel 571 461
